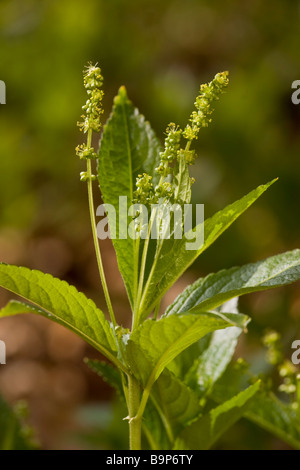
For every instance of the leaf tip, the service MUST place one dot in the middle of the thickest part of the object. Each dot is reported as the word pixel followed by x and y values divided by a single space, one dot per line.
pixel 123 92
pixel 121 96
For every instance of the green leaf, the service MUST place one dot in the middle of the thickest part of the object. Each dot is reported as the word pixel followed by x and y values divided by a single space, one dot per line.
pixel 188 360
pixel 267 411
pixel 153 345
pixel 175 258
pixel 154 429
pixel 217 288
pixel 177 403
pixel 213 362
pixel 14 432
pixel 171 407
pixel 60 302
pixel 186 365
pixel 203 433
pixel 128 147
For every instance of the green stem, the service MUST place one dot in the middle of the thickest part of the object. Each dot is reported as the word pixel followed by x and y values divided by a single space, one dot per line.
pixel 160 244
pixel 136 267
pixel 143 403
pixel 156 310
pixel 142 273
pixel 95 237
pixel 135 422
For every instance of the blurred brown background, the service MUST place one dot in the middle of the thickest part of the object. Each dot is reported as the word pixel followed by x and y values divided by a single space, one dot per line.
pixel 161 51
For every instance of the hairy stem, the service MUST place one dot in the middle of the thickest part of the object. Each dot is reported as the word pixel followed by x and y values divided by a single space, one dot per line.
pixel 135 422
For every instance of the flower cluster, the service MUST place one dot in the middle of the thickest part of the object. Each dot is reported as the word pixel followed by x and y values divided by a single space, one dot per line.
pixel 272 341
pixel 208 93
pixel 84 152
pixel 93 81
pixel 172 144
pixel 91 119
pixel 147 194
pixel 288 372
pixel 144 193
pixel 174 160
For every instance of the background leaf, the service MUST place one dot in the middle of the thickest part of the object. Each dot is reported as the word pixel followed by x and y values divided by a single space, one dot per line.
pixel 204 432
pixel 267 411
pixel 14 434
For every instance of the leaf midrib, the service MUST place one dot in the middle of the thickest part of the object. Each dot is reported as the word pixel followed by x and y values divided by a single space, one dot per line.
pixel 129 153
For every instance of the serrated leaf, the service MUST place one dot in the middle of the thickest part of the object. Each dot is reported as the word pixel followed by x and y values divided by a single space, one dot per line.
pixel 270 413
pixel 175 258
pixel 266 410
pixel 153 345
pixel 203 433
pixel 128 147
pixel 171 407
pixel 217 288
pixel 60 302
pixel 178 403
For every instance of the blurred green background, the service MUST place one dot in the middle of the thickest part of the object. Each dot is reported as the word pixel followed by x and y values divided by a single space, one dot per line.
pixel 162 52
